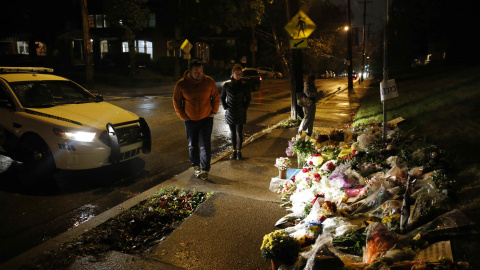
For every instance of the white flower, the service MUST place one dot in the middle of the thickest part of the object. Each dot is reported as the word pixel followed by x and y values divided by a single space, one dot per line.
pixel 282 163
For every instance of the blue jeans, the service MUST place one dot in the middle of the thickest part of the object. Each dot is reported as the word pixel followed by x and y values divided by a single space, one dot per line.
pixel 199 136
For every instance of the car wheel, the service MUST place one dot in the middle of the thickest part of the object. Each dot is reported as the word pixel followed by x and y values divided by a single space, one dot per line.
pixel 37 160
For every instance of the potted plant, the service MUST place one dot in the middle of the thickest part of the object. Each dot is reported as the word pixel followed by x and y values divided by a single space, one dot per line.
pixel 280 248
pixel 282 164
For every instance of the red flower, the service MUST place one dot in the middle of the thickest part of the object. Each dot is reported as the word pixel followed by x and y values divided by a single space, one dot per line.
pixel 293 178
pixel 310 163
pixel 305 170
pixel 330 166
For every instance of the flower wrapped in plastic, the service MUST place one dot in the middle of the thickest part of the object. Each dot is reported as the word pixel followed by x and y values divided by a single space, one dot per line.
pixel 373 200
pixel 365 140
pixel 301 202
pixel 379 241
pixel 338 178
pixel 388 208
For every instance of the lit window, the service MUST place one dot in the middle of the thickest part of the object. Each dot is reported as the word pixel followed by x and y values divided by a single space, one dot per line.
pixel 124 46
pixel 22 47
pixel 99 21
pixel 103 48
pixel 141 46
pixel 152 22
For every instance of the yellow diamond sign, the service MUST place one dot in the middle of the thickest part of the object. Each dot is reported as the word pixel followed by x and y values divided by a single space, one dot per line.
pixel 300 26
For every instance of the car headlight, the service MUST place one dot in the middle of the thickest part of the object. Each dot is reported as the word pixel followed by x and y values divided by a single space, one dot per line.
pixel 81 136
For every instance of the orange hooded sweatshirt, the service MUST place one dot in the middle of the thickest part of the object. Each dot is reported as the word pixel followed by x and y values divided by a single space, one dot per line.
pixel 195 100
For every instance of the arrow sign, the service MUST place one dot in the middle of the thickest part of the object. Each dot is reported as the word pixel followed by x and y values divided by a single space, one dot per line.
pixel 299 43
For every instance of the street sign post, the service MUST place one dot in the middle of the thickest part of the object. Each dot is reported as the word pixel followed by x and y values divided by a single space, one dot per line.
pixel 186 47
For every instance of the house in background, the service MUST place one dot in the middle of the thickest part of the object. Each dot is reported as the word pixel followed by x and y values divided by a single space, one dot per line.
pixel 62 47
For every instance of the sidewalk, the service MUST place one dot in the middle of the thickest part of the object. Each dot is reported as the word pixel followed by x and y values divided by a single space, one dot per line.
pixel 226 231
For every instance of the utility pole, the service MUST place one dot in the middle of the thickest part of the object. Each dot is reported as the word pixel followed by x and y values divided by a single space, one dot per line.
pixel 253 47
pixel 349 48
pixel 385 71
pixel 87 45
pixel 296 68
pixel 364 37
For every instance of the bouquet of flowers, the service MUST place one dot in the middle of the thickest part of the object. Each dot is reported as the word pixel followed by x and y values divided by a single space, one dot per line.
pixel 303 145
pixel 282 163
pixel 316 160
pixel 279 245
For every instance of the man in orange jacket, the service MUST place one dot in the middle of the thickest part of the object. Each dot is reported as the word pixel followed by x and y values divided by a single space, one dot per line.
pixel 196 101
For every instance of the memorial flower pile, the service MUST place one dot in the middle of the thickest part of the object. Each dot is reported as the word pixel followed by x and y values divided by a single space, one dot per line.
pixel 369 201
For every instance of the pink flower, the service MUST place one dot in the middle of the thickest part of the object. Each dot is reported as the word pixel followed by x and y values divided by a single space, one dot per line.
pixel 305 170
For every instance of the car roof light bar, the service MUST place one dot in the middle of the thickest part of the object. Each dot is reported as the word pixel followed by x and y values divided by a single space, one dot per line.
pixel 26 69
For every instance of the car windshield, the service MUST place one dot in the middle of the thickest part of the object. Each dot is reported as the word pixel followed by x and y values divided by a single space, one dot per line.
pixel 37 94
pixel 249 72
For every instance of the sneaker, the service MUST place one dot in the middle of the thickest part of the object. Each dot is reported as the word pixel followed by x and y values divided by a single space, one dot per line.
pixel 204 175
pixel 233 155
pixel 239 155
pixel 197 171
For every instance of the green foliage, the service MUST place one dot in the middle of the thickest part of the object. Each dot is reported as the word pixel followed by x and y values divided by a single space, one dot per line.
pixel 131 15
pixel 352 242
pixel 133 231
pixel 290 122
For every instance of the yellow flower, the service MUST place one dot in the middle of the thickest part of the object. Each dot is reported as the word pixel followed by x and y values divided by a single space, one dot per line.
pixel 417 237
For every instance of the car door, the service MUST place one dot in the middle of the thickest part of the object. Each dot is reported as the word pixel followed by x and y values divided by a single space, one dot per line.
pixel 7 109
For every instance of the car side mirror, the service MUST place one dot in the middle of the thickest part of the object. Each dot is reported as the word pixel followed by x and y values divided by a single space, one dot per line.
pixel 99 98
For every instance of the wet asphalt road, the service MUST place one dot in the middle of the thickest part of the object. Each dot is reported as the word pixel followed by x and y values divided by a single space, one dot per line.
pixel 31 216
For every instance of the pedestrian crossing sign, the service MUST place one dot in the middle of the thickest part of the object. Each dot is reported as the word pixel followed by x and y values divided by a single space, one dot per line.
pixel 300 26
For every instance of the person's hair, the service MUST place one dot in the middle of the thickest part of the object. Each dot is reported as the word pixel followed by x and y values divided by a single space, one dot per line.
pixel 195 63
pixel 311 79
pixel 237 67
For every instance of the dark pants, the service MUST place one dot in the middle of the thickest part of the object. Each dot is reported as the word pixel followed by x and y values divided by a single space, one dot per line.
pixel 236 133
pixel 199 135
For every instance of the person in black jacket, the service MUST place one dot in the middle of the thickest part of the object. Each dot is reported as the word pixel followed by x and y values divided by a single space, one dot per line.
pixel 235 99
pixel 310 91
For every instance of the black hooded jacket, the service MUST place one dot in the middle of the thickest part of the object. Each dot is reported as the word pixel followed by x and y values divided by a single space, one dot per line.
pixel 235 99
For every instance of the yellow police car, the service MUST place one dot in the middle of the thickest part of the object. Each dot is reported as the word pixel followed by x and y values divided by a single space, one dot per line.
pixel 49 122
